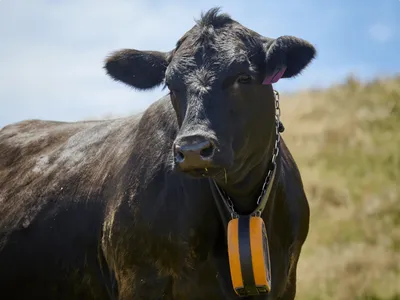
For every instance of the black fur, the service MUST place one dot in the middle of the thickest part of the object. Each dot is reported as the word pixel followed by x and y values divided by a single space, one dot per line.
pixel 150 67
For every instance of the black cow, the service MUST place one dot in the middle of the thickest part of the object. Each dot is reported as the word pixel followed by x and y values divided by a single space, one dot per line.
pixel 136 208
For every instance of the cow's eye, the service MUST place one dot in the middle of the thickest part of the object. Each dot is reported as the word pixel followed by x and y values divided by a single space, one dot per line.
pixel 244 79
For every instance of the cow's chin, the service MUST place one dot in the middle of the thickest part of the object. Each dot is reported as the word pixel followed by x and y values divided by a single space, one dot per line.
pixel 210 172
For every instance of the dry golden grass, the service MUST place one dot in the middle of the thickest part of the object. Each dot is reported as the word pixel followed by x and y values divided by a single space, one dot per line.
pixel 346 141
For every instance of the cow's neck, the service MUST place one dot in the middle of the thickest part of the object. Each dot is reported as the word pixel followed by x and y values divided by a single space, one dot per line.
pixel 244 185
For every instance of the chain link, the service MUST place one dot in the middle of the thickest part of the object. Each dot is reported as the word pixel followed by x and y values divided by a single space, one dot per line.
pixel 275 154
pixel 276 148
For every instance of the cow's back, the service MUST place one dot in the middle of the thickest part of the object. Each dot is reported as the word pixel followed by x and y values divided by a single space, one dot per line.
pixel 53 176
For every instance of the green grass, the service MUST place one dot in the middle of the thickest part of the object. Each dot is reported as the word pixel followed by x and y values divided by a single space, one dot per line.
pixel 346 140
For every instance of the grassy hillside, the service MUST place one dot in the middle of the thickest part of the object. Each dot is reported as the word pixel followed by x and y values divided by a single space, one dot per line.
pixel 346 140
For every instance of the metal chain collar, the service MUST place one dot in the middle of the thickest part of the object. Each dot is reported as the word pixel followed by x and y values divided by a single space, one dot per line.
pixel 271 170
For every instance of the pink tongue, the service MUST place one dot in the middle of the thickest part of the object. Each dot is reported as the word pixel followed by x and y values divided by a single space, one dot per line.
pixel 275 76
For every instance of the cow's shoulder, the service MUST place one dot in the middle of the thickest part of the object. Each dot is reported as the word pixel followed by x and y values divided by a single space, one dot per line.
pixel 151 155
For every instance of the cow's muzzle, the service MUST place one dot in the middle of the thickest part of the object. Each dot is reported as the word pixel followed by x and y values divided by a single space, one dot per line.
pixel 194 152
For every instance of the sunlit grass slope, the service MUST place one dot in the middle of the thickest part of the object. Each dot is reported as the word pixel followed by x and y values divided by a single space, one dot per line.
pixel 346 141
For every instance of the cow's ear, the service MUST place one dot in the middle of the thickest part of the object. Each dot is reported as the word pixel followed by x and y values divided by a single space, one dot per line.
pixel 287 56
pixel 139 69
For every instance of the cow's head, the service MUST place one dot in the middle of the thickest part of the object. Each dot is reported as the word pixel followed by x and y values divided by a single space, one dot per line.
pixel 215 76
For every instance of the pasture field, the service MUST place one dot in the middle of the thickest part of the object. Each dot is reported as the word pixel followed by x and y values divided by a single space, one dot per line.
pixel 346 141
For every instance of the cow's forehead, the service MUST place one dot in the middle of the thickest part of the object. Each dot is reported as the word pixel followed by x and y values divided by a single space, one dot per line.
pixel 215 48
pixel 210 41
pixel 207 57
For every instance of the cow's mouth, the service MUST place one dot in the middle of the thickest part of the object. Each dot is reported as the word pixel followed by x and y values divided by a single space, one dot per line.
pixel 204 172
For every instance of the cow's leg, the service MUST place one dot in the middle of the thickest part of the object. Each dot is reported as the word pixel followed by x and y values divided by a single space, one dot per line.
pixel 290 291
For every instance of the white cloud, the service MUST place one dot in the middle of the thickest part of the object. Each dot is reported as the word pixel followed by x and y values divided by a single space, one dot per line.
pixel 381 33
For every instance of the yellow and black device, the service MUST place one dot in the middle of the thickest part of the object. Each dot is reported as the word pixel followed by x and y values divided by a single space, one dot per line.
pixel 249 259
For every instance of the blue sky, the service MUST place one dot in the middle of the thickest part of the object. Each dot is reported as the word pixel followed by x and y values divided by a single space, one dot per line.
pixel 52 51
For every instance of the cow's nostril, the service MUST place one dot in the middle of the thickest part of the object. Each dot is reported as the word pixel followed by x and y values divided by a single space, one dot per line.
pixel 179 156
pixel 208 151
